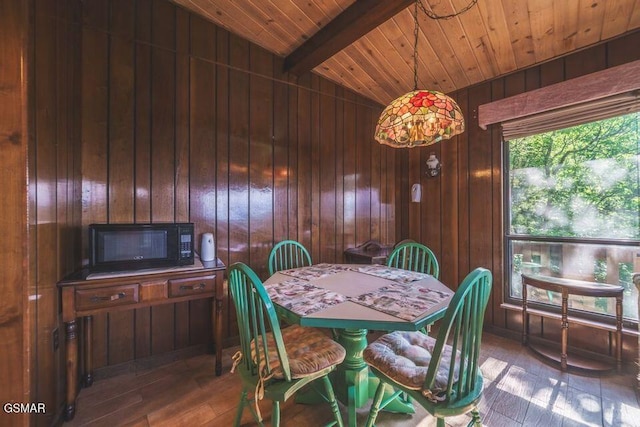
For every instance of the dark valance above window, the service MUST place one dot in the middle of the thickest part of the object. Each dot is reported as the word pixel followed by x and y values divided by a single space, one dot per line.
pixel 611 92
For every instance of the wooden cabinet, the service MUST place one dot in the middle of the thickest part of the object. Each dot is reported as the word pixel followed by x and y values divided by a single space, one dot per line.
pixel 84 295
pixel 370 252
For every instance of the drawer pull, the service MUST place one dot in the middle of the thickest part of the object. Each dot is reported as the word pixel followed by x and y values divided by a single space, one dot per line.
pixel 113 297
pixel 192 287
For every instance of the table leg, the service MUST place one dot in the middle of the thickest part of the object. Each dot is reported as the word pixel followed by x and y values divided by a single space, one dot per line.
pixel 87 348
pixel 354 384
pixel 525 317
pixel 217 338
pixel 565 330
pixel 71 338
pixel 619 333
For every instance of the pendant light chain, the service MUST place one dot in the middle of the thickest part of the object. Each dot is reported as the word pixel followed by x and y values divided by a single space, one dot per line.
pixel 432 15
pixel 415 47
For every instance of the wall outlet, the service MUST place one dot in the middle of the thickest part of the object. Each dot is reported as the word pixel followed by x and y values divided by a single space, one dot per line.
pixel 56 339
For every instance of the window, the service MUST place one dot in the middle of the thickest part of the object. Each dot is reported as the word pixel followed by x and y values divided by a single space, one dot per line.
pixel 573 210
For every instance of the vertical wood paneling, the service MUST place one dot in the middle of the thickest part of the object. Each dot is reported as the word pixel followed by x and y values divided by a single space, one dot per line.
pixel 304 161
pixel 16 325
pixel 314 141
pixel 339 174
pixel 121 158
pixel 292 144
pixel 239 155
pixel 223 160
pixel 497 231
pixel 46 97
pixel 281 154
pixel 260 158
pixel 362 174
pixel 349 168
pixel 327 160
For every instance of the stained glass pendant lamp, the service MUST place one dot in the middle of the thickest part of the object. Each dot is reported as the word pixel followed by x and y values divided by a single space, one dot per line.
pixel 420 117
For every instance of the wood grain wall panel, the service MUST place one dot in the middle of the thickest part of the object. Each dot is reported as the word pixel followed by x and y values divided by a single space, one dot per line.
pixel 363 175
pixel 314 152
pixel 497 230
pixel 261 173
pixel 349 171
pixel 430 214
pixel 142 188
pixel 480 194
pixel 415 209
pixel 339 174
pixel 618 51
pixel 221 123
pixel 46 169
pixel 122 19
pixel 202 167
pixel 162 135
pixel 163 24
pixel 96 14
pixel 305 161
pixel 464 173
pixel 239 154
pixel 121 131
pixel 551 72
pixel 327 172
pixel 292 144
pixel 281 153
pixel 585 62
pixel 182 94
pixel 449 220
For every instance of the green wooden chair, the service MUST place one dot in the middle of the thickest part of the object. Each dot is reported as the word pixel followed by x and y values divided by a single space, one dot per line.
pixel 288 254
pixel 414 256
pixel 275 363
pixel 423 367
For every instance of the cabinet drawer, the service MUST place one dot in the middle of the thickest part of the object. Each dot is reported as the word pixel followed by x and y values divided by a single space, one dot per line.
pixel 91 299
pixel 191 286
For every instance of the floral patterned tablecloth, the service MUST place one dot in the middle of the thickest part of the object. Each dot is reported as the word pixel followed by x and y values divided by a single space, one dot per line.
pixel 402 297
pixel 302 297
pixel 404 301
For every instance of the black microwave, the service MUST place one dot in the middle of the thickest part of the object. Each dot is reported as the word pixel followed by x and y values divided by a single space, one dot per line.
pixel 117 247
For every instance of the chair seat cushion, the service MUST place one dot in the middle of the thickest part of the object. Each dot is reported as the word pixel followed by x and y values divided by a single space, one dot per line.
pixel 308 350
pixel 404 357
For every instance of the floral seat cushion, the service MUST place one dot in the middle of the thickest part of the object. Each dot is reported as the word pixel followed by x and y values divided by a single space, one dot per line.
pixel 308 350
pixel 404 357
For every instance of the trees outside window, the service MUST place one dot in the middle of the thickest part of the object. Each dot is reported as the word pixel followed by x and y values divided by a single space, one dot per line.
pixel 573 209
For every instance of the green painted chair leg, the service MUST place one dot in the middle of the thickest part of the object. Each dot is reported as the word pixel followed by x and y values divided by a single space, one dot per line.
pixel 475 419
pixel 275 414
pixel 331 397
pixel 375 405
pixel 243 399
pixel 440 422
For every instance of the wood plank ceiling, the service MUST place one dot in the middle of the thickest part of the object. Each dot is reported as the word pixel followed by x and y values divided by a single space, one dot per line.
pixel 493 38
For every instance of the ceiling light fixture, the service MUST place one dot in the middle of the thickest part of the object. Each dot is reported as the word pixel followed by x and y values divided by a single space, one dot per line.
pixel 420 117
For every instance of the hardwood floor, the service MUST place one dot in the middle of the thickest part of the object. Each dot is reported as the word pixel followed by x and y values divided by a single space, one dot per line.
pixel 519 391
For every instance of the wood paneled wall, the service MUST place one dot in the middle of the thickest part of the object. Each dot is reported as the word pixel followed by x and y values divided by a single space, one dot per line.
pixel 461 216
pixel 53 190
pixel 14 322
pixel 183 121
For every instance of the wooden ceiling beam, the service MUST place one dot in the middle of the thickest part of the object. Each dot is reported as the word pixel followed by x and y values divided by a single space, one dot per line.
pixel 354 22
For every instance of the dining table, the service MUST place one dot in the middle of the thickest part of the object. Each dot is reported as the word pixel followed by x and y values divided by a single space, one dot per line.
pixel 350 300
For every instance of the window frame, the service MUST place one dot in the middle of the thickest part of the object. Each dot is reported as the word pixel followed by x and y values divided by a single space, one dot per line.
pixel 508 238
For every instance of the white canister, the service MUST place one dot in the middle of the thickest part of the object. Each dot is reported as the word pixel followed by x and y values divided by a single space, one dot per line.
pixel 207 248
